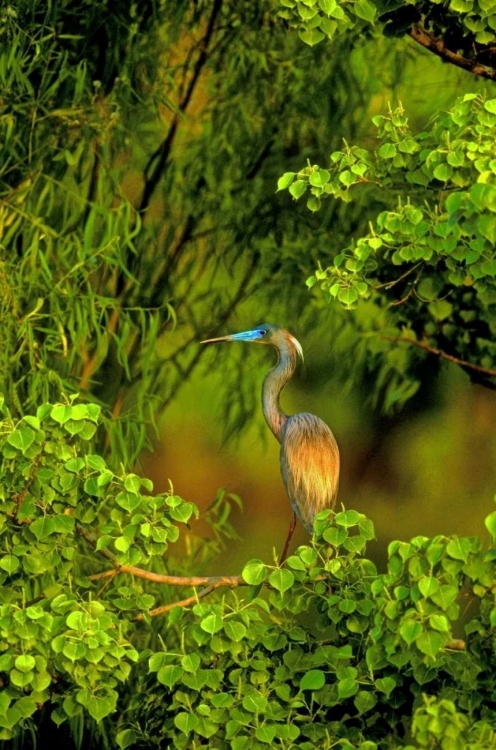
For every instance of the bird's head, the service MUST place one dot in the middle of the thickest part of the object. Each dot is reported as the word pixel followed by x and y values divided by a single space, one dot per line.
pixel 266 333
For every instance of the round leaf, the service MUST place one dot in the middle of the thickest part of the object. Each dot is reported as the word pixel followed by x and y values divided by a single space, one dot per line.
pixel 312 680
pixel 281 579
pixel 254 572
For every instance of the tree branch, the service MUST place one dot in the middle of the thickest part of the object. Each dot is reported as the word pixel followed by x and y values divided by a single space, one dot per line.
pixel 439 353
pixel 438 47
pixel 167 580
pixel 194 599
pixel 158 160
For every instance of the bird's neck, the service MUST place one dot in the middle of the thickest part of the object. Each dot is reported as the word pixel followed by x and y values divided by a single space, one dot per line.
pixel 274 382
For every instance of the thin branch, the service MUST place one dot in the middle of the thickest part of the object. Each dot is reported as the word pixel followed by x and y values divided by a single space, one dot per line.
pixel 231 582
pixel 158 160
pixel 388 284
pixel 194 599
pixel 438 47
pixel 439 353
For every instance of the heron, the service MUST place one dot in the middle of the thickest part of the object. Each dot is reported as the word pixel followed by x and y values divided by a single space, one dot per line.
pixel 309 454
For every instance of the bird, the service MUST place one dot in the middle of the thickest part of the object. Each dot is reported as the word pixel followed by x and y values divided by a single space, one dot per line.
pixel 309 454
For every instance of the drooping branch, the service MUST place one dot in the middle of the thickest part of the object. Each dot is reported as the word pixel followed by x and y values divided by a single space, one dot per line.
pixel 439 48
pixel 439 353
pixel 156 164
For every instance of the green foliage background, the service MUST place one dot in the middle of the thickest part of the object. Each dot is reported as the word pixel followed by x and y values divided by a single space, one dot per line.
pixel 141 149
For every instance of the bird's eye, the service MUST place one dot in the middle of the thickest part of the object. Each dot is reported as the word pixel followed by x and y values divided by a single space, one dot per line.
pixel 262 331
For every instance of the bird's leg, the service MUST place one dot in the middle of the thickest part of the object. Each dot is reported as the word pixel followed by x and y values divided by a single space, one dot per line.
pixel 288 539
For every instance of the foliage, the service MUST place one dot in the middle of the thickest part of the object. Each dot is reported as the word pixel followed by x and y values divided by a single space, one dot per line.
pixel 137 163
pixel 461 31
pixel 63 506
pixel 335 652
pixel 429 261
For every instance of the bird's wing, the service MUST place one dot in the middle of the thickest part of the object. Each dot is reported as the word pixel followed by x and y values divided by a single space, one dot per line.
pixel 309 465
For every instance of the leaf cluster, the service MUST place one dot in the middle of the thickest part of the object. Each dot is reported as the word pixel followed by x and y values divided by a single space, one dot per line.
pixel 466 26
pixel 337 654
pixel 325 650
pixel 428 261
pixel 59 502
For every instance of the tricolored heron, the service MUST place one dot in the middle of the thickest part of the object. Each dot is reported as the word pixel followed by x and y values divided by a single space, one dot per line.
pixel 309 452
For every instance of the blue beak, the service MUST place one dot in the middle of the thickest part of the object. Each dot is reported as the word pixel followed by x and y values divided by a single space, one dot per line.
pixel 254 335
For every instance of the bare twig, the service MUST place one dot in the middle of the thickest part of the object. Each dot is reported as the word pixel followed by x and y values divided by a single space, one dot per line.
pixel 388 284
pixel 438 47
pixel 439 353
pixel 167 580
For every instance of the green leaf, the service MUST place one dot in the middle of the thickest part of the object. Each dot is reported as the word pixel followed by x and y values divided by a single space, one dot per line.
pixel 348 295
pixel 387 151
pixel 483 196
pixel 385 685
pixel 311 36
pixel 255 703
pixel 169 675
pixel 183 512
pixel 445 596
pixel 490 523
pixel 61 413
pixel 101 706
pixel 43 527
pixel 64 524
pixel 312 680
pixel 347 518
pixel 364 701
pixel 366 10
pixel 443 172
pixel 25 663
pixel 74 465
pixel 335 535
pixel 132 483
pixel 126 738
pixel 320 178
pixel 186 722
pixel 439 622
pixel 285 181
pixel 191 662
pixel 459 549
pixel 234 630
pixel 21 438
pixel 281 579
pixel 266 734
pixel 488 267
pixel 104 478
pixel 486 224
pixel 254 572
pixel 430 642
pixel 298 188
pixel 429 288
pixel 314 204
pixel 428 586
pixel 21 679
pixel 490 105
pixel 212 624
pixel 328 6
pixel 10 563
pixel 347 687
pixel 95 462
pixel 410 630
